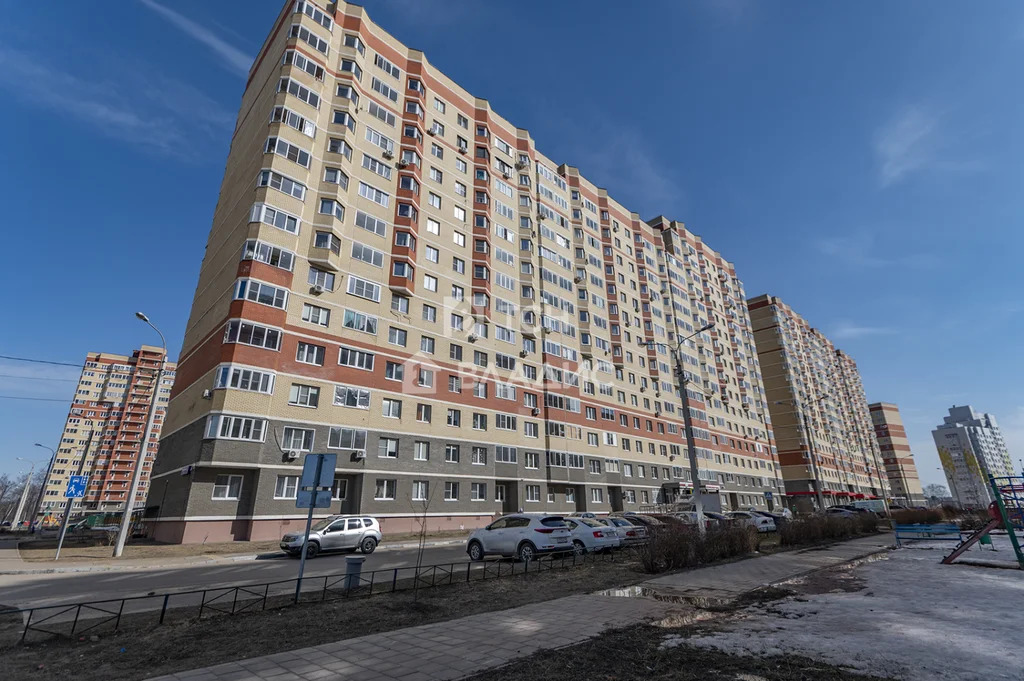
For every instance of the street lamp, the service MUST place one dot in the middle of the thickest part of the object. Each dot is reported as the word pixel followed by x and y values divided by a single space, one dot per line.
pixel 42 488
pixel 691 447
pixel 129 504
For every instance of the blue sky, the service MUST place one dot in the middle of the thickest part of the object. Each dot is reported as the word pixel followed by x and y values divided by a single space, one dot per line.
pixel 862 161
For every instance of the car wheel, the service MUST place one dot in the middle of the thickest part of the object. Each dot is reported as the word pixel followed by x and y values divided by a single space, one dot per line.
pixel 526 552
pixel 475 551
pixel 578 548
pixel 368 545
pixel 312 550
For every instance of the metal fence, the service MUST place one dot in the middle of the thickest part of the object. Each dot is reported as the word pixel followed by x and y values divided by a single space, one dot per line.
pixel 91 617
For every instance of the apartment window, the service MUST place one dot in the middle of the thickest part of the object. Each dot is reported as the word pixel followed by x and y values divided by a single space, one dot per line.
pixel 373 194
pixel 346 438
pixel 533 493
pixel 480 390
pixel 235 428
pixel 394 371
pixel 479 421
pixel 259 292
pixel 375 166
pixel 339 491
pixel 504 421
pixel 430 282
pixel 454 416
pixel 268 178
pixel 336 145
pixel 397 336
pixel 420 490
pixel 425 378
pixel 530 429
pixel 286 487
pixel 362 288
pixel 429 313
pixel 451 453
pixel 499 492
pixel 597 495
pixel 478 491
pixel 245 379
pixel 300 439
pixel 315 314
pixel 423 412
pixel 349 396
pixel 284 149
pixel 387 448
pixel 478 456
pixel 433 255
pixel 246 333
pixel 385 489
pixel 360 322
pixel 454 384
pixel 451 491
pixel 227 487
pixel 391 408
pixel 384 89
pixel 630 496
pixel 421 451
pixel 304 395
pixel 307 353
pixel 595 466
pixel 371 224
pixel 261 212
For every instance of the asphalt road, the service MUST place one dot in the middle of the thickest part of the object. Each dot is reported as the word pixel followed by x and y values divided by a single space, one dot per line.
pixel 23 591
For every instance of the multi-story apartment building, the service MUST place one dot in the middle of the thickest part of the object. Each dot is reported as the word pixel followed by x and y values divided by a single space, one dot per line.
pixel 971 448
pixel 397 274
pixel 895 448
pixel 820 414
pixel 103 433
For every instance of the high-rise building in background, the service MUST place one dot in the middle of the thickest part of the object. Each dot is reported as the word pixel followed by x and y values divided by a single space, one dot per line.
pixel 818 407
pixel 103 434
pixel 971 448
pixel 398 275
pixel 896 455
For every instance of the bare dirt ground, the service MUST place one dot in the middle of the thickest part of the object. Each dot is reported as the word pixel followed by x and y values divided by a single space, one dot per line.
pixel 94 549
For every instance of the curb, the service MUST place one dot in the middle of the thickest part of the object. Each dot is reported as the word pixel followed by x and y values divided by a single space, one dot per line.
pixel 208 560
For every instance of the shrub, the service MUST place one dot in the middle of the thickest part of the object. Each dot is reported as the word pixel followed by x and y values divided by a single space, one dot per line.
pixel 817 529
pixel 915 516
pixel 674 546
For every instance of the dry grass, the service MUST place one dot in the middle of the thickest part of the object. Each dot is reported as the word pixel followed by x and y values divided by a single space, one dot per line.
pixel 95 549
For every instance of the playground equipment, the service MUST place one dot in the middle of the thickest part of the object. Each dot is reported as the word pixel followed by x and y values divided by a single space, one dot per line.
pixel 1005 512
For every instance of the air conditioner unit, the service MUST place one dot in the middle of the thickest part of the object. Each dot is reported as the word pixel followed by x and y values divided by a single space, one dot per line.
pixel 615 229
pixel 520 165
pixel 523 353
pixel 463 150
pixel 472 339
pixel 291 455
pixel 431 132
pixel 540 216
pixel 317 289
pixel 402 164
pixel 207 394
pixel 536 411
pixel 359 454
pixel 507 176
pixel 578 279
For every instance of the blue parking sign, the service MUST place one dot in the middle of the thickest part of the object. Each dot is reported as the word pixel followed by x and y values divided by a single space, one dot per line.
pixel 76 487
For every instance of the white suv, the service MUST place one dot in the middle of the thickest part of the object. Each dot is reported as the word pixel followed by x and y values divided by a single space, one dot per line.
pixel 521 535
pixel 336 533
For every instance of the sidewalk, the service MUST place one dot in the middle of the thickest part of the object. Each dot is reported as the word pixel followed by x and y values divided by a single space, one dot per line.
pixel 12 564
pixel 469 645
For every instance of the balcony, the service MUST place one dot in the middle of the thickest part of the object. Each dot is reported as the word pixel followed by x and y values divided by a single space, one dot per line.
pixel 325 251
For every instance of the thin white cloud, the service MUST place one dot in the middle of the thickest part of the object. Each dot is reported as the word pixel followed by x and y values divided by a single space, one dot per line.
pixel 849 330
pixel 138 107
pixel 917 140
pixel 864 249
pixel 235 59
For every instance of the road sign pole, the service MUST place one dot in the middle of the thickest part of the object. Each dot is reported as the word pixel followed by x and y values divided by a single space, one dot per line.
pixel 71 500
pixel 309 523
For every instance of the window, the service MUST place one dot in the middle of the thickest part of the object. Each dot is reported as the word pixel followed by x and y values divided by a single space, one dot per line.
pixel 421 451
pixel 307 353
pixel 454 384
pixel 259 292
pixel 399 303
pixel 296 154
pixel 346 438
pixel 630 496
pixel 349 66
pixel 362 288
pixel 287 486
pixel 597 495
pixel 391 408
pixel 381 113
pixel 315 314
pixel 268 178
pixel 348 396
pixel 397 336
pixel 459 238
pixel 384 89
pixel 304 395
pixel 595 466
pixel 420 490
pixel 504 454
pixel 308 37
pixel 478 491
pixel 360 322
pixel 386 66
pixel 245 379
pixel 367 254
pixel 429 313
pixel 336 145
pixel 504 421
pixel 530 430
pixel 261 212
pixel 478 456
pixel 300 439
pixel 427 345
pixel 247 333
pixel 373 194
pixel 423 412
pixel 387 448
pixel 227 487
pixel 371 224
pixel 479 421
pixel 425 379
pixel 451 491
pixel 394 371
pixel 375 166
pixel 430 282
pixel 532 459
pixel 385 489
pixel 433 255
pixel 304 94
pixel 451 453
pixel 339 490
pixel 321 278
pixel 235 428
pixel 533 493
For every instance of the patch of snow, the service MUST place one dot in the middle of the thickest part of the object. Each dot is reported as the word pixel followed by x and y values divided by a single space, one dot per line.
pixel 916 620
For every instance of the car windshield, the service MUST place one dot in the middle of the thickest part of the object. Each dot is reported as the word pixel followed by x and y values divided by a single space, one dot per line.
pixel 321 524
pixel 589 522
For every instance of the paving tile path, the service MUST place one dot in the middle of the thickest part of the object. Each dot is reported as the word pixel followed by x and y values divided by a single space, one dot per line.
pixel 469 645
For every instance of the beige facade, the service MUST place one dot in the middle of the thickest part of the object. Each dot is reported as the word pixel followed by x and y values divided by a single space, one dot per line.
pixel 896 455
pixel 398 275
pixel 818 407
pixel 103 433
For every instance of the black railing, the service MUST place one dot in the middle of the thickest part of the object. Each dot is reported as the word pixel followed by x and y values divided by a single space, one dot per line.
pixel 76 619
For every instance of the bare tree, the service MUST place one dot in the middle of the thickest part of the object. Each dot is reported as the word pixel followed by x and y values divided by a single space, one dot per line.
pixel 420 508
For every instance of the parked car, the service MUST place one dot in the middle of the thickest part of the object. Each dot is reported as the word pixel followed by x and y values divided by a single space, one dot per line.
pixel 840 512
pixel 336 533
pixel 855 509
pixel 652 524
pixel 690 517
pixel 581 514
pixel 778 518
pixel 629 533
pixel 590 536
pixel 522 535
pixel 758 522
pixel 720 518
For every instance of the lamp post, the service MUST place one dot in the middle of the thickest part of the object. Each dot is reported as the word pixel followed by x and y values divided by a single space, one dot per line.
pixel 42 488
pixel 129 504
pixel 691 447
